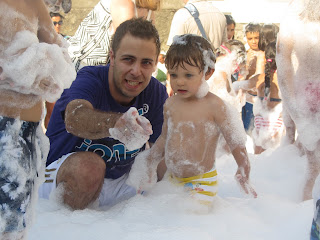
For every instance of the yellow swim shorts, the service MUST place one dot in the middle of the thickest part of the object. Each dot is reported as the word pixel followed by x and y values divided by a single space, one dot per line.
pixel 203 187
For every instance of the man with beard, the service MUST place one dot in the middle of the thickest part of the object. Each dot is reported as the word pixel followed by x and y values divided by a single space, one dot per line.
pixel 103 121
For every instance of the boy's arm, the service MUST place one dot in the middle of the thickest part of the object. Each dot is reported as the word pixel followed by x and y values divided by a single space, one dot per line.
pixel 229 122
pixel 149 166
pixel 261 61
pixel 248 84
pixel 243 172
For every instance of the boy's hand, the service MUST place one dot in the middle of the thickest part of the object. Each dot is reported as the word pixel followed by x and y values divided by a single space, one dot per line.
pixel 144 185
pixel 132 130
pixel 143 173
pixel 237 85
pixel 243 181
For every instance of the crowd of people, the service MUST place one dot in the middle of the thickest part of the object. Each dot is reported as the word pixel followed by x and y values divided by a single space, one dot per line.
pixel 116 109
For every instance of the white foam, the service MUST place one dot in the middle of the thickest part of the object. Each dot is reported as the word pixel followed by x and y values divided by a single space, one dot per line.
pixel 225 67
pixel 49 67
pixel 133 130
pixel 166 212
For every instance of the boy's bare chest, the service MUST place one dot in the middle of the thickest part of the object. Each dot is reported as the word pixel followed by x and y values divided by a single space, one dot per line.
pixel 192 124
pixel 195 112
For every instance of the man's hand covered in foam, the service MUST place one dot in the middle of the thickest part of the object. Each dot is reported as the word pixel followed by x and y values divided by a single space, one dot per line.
pixel 132 129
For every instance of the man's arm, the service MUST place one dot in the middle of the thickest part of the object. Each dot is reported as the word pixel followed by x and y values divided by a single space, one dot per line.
pixel 285 45
pixel 121 10
pixel 177 24
pixel 82 120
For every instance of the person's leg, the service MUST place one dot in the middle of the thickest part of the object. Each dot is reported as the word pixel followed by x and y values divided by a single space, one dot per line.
pixel 257 134
pixel 290 137
pixel 247 116
pixel 258 149
pixel 18 176
pixel 115 191
pixel 82 175
pixel 161 170
pixel 313 170
pixel 15 236
pixel 314 235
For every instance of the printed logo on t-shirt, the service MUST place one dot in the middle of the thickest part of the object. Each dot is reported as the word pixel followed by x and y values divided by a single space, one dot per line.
pixel 114 152
pixel 144 109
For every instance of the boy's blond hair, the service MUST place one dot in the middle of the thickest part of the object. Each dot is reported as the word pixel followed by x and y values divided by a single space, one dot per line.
pixel 189 49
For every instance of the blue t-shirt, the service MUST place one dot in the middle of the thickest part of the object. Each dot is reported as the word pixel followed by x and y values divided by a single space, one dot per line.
pixel 92 85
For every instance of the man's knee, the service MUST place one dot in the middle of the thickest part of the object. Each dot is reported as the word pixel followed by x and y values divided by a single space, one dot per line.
pixel 82 175
pixel 82 166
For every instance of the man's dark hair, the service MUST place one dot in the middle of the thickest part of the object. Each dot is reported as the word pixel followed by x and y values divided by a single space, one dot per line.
pixel 137 27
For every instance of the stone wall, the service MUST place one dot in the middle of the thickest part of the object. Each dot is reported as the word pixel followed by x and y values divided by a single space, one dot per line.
pixel 80 9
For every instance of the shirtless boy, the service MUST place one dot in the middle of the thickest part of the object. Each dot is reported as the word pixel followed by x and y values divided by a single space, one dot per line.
pixel 29 73
pixel 193 121
pixel 255 66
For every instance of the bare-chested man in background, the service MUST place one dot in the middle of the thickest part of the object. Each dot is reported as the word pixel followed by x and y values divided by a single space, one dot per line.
pixel 298 64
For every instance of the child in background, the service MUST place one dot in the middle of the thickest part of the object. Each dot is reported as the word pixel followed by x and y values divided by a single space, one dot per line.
pixel 268 123
pixel 255 65
pixel 231 59
pixel 254 54
pixel 194 118
pixel 268 34
pixel 161 72
pixel 231 25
